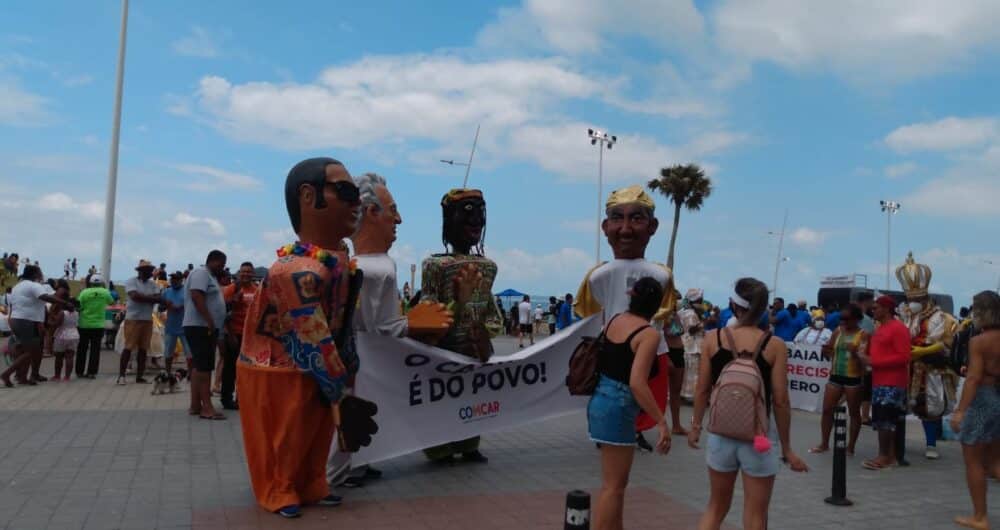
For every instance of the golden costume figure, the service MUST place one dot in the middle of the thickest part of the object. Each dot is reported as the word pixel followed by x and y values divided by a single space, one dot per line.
pixel 933 384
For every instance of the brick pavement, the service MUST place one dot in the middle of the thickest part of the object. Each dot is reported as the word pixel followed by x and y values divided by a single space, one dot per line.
pixel 90 455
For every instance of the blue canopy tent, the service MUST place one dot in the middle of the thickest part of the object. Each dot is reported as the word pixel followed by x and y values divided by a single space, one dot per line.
pixel 507 294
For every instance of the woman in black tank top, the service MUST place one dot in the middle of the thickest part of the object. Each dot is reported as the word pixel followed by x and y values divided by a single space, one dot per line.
pixel 727 457
pixel 625 363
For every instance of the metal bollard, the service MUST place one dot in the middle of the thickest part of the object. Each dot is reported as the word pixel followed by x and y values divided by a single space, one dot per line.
pixel 839 493
pixel 577 510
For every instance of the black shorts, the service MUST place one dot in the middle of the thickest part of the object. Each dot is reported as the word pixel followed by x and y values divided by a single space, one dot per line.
pixel 203 345
pixel 866 392
pixel 25 332
pixel 676 357
pixel 527 328
pixel 845 382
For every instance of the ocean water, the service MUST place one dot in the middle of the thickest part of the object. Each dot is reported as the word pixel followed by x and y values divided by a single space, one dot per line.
pixel 507 302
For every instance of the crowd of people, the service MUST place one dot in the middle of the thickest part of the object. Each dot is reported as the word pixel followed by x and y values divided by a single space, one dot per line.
pixel 292 335
pixel 198 312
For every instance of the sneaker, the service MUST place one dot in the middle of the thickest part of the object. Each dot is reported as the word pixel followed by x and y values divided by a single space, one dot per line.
pixel 291 511
pixel 931 453
pixel 353 482
pixel 141 380
pixel 372 473
pixel 331 500
pixel 56 379
pixel 120 381
pixel 41 378
pixel 231 405
pixel 903 463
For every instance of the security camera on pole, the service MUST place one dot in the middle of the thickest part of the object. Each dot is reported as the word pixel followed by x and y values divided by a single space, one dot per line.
pixel 602 140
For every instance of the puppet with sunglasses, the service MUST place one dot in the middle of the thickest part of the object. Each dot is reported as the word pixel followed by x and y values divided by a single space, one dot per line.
pixel 462 279
pixel 298 357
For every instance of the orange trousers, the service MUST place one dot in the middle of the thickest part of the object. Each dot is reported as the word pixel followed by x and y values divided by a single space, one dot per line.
pixel 287 433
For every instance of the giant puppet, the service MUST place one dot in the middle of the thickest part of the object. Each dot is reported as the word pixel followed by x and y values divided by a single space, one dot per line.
pixel 933 384
pixel 379 307
pixel 462 279
pixel 298 354
pixel 629 224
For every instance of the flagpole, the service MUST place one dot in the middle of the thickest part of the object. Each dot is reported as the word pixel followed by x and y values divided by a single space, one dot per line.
pixel 109 203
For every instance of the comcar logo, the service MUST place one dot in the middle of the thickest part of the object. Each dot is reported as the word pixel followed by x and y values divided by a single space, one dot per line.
pixel 479 411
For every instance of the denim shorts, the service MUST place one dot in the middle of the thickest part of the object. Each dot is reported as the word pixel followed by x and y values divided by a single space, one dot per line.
pixel 726 455
pixel 611 413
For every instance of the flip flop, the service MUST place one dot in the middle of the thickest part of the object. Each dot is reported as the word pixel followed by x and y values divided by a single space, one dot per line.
pixel 874 466
pixel 216 416
pixel 818 450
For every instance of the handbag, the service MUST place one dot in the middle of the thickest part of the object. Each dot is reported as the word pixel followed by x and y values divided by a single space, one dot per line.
pixel 582 378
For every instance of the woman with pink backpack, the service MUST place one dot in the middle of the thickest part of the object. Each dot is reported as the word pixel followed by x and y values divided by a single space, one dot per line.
pixel 743 371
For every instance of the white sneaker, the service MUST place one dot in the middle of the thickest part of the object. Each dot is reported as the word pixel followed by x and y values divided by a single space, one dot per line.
pixel 120 381
pixel 932 453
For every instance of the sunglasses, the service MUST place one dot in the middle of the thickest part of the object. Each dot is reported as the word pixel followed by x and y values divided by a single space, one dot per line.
pixel 346 191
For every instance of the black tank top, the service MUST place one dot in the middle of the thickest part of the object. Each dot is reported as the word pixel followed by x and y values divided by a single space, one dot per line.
pixel 723 355
pixel 614 360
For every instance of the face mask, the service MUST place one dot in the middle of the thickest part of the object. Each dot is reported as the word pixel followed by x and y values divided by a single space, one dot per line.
pixel 820 324
pixel 916 307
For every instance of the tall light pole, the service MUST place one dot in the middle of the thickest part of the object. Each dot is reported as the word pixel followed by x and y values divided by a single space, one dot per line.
pixel 890 208
pixel 468 165
pixel 109 201
pixel 602 140
pixel 779 258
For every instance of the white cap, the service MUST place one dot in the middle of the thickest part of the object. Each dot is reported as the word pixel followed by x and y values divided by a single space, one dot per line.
pixel 96 278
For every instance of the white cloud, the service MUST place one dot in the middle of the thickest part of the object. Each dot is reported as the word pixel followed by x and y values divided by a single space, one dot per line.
pixel 62 202
pixel 213 179
pixel 947 134
pixel 892 39
pixel 522 270
pixel 902 169
pixel 808 237
pixel 584 26
pixel 956 197
pixel 564 149
pixel 200 42
pixel 390 99
pixel 214 226
pixel 280 236
pixel 969 188
pixel 20 107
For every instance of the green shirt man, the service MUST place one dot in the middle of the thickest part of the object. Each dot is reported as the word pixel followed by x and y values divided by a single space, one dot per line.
pixel 93 302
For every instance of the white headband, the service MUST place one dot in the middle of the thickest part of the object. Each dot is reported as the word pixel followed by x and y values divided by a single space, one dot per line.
pixel 739 300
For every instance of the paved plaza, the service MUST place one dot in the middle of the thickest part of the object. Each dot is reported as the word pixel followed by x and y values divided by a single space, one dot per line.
pixel 92 455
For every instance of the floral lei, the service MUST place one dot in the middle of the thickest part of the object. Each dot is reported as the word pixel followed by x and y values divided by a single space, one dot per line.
pixel 309 250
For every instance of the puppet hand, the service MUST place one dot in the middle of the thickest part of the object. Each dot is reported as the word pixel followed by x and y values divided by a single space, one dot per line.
pixel 356 423
pixel 429 318
pixel 466 283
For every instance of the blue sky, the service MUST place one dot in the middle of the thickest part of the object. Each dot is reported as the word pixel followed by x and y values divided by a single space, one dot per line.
pixel 821 111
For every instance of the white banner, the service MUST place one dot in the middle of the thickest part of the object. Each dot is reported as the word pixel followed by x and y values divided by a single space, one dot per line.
pixel 427 396
pixel 808 372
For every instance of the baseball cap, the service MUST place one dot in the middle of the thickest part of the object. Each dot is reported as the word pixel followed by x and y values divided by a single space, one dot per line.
pixel 96 278
pixel 886 301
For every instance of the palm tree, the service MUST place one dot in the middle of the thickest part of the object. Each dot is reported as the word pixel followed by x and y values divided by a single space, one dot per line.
pixel 685 186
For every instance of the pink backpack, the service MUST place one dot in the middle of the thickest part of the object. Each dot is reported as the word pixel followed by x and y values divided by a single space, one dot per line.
pixel 738 410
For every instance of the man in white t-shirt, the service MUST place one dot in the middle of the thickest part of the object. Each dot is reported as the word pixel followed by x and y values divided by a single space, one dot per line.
pixel 524 317
pixel 143 293
pixel 629 224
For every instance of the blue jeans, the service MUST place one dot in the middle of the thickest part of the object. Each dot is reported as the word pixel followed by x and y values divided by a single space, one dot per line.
pixel 170 345
pixel 932 429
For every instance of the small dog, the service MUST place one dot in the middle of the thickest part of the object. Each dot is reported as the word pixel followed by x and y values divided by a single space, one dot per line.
pixel 165 382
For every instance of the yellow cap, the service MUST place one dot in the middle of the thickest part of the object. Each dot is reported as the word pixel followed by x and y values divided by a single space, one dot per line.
pixel 630 195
